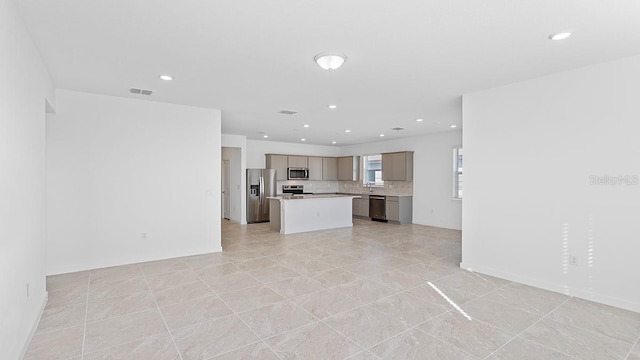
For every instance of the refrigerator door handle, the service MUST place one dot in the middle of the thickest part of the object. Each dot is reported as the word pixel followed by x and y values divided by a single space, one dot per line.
pixel 261 189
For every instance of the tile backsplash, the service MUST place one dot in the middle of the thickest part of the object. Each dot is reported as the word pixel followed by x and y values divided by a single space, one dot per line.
pixel 389 188
pixel 354 187
pixel 311 186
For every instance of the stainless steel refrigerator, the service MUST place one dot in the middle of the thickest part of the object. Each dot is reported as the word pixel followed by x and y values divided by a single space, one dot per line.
pixel 261 183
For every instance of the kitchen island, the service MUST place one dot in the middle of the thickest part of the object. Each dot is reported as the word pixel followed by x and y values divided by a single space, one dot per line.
pixel 302 213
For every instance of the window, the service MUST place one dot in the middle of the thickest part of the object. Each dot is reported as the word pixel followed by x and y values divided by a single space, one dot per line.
pixel 457 173
pixel 372 174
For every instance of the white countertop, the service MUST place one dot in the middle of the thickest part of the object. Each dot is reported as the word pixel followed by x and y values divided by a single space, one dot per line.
pixel 314 196
pixel 368 193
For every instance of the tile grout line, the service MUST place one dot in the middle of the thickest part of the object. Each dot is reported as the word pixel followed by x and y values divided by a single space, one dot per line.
pixel 529 327
pixel 236 262
pixel 637 343
pixel 144 276
pixel 295 304
pixel 235 314
pixel 86 314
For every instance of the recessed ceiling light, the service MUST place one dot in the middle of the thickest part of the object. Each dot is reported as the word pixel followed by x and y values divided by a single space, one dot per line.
pixel 332 106
pixel 166 77
pixel 381 135
pixel 559 36
pixel 265 136
pixel 330 61
pixel 333 142
pixel 305 125
pixel 347 131
pixel 419 120
pixel 303 139
pixel 453 126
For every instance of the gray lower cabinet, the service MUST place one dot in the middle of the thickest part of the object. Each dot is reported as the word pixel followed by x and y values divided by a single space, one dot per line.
pixel 361 206
pixel 400 209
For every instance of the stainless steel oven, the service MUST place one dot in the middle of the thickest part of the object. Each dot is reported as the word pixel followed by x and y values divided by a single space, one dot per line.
pixel 297 173
pixel 377 207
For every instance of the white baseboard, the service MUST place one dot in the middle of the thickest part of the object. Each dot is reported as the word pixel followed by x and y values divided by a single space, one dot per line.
pixel 555 287
pixel 127 260
pixel 34 327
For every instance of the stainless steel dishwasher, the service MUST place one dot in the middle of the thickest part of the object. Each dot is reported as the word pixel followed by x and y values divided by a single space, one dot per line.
pixel 377 207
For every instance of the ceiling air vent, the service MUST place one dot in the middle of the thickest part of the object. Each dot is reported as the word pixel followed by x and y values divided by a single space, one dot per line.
pixel 287 112
pixel 140 91
pixel 397 129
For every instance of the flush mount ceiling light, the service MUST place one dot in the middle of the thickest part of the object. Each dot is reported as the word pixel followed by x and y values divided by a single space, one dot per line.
pixel 330 61
pixel 559 36
pixel 305 125
pixel 381 135
pixel 166 77
pixel 303 139
pixel 347 131
pixel 333 106
pixel 453 126
pixel 265 136
pixel 333 142
pixel 419 120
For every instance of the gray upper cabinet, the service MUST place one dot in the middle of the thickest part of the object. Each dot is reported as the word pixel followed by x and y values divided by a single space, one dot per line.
pixel 315 168
pixel 348 168
pixel 329 168
pixel 397 166
pixel 298 162
pixel 278 162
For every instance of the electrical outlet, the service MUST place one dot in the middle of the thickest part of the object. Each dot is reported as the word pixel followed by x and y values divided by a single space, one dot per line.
pixel 573 260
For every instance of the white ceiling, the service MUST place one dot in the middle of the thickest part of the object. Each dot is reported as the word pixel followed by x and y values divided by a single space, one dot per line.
pixel 406 59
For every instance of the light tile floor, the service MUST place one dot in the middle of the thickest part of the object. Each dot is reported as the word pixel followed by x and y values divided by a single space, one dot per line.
pixel 376 291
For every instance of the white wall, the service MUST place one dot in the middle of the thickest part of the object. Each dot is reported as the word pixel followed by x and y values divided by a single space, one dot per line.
pixel 120 167
pixel 433 202
pixel 530 149
pixel 24 87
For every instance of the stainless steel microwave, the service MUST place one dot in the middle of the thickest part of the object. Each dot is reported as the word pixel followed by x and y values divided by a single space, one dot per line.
pixel 297 173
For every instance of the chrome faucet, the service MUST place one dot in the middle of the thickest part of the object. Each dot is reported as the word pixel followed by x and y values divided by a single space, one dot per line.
pixel 370 186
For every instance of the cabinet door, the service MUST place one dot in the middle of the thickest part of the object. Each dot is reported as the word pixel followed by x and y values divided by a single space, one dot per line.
pixel 315 168
pixel 279 163
pixel 393 209
pixel 355 208
pixel 329 169
pixel 360 207
pixel 387 167
pixel 399 166
pixel 348 168
pixel 364 207
pixel 298 161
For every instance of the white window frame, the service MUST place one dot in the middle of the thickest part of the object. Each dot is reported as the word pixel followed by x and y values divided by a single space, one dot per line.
pixel 364 171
